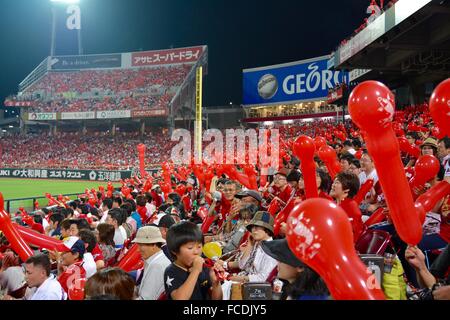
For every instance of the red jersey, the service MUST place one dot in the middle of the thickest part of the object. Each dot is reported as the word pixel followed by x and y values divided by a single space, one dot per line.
pixel 72 273
pixel 284 195
pixel 97 253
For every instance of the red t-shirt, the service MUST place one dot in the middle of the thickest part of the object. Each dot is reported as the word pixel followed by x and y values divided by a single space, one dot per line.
pixel 284 195
pixel 72 273
pixel 97 253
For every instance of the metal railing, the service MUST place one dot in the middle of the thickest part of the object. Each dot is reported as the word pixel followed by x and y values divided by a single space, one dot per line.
pixel 31 207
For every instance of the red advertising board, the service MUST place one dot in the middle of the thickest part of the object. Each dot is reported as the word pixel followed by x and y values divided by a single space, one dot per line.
pixel 335 95
pixel 15 103
pixel 171 56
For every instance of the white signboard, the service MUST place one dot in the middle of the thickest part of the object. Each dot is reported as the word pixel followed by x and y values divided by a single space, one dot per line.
pixel 113 114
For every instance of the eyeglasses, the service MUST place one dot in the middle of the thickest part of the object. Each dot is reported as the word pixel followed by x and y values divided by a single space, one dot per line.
pixel 228 190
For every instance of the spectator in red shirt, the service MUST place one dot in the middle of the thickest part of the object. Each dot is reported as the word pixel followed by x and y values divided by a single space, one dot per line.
pixel 70 265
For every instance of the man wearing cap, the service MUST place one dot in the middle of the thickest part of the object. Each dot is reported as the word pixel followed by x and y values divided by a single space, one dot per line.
pixel 150 241
pixel 249 197
pixel 70 265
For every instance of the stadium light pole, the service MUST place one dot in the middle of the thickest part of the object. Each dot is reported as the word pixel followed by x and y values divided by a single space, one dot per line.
pixel 53 41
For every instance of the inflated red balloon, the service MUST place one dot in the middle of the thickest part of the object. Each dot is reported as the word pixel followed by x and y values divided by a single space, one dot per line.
pixel 358 154
pixel 16 241
pixel 363 190
pixel 408 148
pixel 304 149
pixel 328 155
pixel 282 216
pixel 426 168
pixel 76 289
pixel 428 200
pixel 320 142
pixel 440 107
pixel 376 217
pixel 131 259
pixel 319 234
pixel 141 155
pixel 39 240
pixel 371 106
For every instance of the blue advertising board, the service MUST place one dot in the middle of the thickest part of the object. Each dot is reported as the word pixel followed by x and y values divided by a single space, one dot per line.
pixel 305 80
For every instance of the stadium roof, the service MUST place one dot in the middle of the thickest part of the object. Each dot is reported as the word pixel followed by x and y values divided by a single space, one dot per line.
pixel 410 41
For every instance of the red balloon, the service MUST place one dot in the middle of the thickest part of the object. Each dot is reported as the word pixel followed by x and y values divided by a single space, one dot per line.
pixel 328 155
pixel 428 200
pixel 371 106
pixel 16 241
pixel 407 147
pixel 181 190
pixel 376 217
pixel 131 259
pixel 141 154
pixel 427 167
pixel 440 107
pixel 304 149
pixel 76 289
pixel 319 233
pixel 282 216
pixel 320 142
pixel 39 240
pixel 365 187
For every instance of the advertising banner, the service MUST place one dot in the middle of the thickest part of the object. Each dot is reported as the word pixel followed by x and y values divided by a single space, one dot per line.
pixel 86 62
pixel 161 57
pixel 113 114
pixel 77 115
pixel 297 81
pixel 15 103
pixel 149 113
pixel 42 116
pixel 89 175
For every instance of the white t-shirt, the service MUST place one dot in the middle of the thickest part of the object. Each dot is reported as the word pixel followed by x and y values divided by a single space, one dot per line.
pixel 50 290
pixel 363 177
pixel 89 264
pixel 118 238
pixel 150 208
pixel 104 216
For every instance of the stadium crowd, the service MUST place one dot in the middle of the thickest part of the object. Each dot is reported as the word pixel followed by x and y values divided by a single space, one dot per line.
pixel 200 232
pixel 98 90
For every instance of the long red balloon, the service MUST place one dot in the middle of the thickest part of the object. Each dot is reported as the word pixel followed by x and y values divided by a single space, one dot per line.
pixel 407 147
pixel 319 233
pixel 372 106
pixel 141 154
pixel 41 241
pixel 328 155
pixel 282 216
pixel 14 238
pixel 363 190
pixel 428 200
pixel 131 259
pixel 304 149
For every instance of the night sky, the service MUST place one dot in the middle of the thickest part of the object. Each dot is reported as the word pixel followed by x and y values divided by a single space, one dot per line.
pixel 240 34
